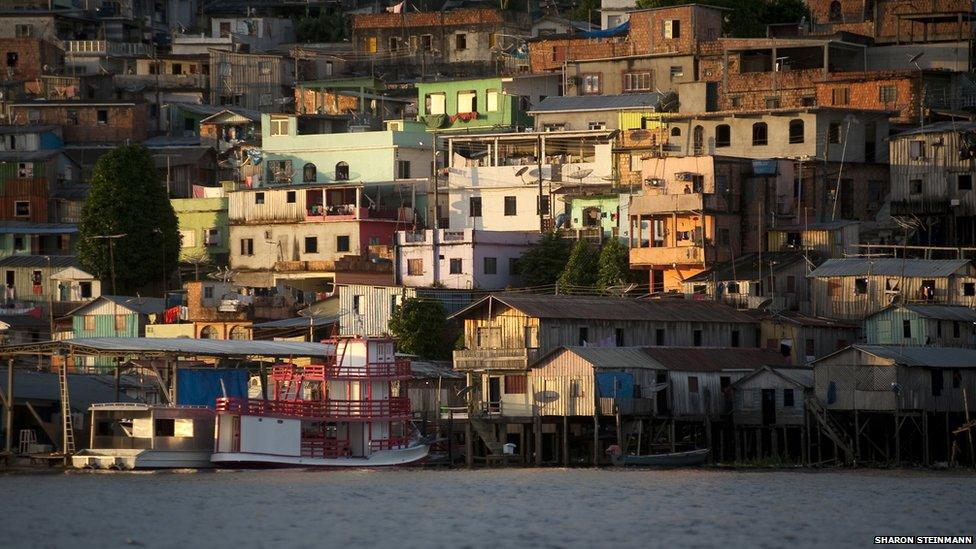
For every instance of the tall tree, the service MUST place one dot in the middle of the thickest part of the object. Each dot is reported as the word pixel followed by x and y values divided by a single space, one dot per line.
pixel 614 264
pixel 581 268
pixel 542 264
pixel 127 198
pixel 422 329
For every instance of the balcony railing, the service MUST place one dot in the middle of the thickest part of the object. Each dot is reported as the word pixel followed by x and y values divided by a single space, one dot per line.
pixel 495 359
pixel 399 369
pixel 321 410
pixel 105 47
pixel 681 255
pixel 166 81
pixel 670 203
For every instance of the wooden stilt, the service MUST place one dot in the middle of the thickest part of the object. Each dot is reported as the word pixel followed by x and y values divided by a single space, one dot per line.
pixel 596 440
pixel 708 438
pixel 468 444
pixel 565 451
pixel 8 409
pixel 925 439
pixel 897 439
pixel 774 442
pixel 759 444
pixel 673 434
pixel 738 446
pixel 857 435
pixel 538 440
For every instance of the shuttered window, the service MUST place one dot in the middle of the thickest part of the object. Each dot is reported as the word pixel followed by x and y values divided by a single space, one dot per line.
pixel 515 385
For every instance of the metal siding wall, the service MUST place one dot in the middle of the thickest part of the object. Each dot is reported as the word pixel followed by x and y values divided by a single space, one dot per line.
pixel 276 209
pixel 555 377
pixel 374 307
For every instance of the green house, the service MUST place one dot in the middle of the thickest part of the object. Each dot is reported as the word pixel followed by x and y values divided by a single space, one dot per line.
pixel 204 229
pixel 922 324
pixel 482 104
pixel 114 316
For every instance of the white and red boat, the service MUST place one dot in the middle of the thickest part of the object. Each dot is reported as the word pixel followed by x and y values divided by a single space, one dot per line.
pixel 341 413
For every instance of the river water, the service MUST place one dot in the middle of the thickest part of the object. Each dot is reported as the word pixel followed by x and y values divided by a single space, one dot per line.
pixel 482 508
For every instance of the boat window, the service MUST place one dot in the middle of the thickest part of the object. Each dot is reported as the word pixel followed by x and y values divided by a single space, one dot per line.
pixel 164 427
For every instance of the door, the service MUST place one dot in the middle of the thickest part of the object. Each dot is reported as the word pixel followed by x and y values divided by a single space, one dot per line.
pixel 769 406
pixel 662 396
pixel 494 394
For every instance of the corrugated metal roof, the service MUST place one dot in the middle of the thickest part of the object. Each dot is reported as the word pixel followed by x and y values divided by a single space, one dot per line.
pixel 222 348
pixel 939 127
pixel 886 266
pixel 431 369
pixel 932 357
pixel 944 312
pixel 613 308
pixel 85 390
pixel 58 261
pixel 714 359
pixel 802 376
pixel 747 267
pixel 597 102
pixel 28 156
pixel 29 227
pixel 141 305
pixel 615 357
pixel 297 322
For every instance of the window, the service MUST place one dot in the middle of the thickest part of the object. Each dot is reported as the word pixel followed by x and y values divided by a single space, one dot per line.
pixel 675 132
pixel 120 323
pixel 808 348
pixel 835 11
pixel 735 338
pixel 677 71
pixel 370 43
pixel 474 206
pixel 290 197
pixel 723 135
pixel 916 149
pixel 403 169
pixel 279 126
pixel 834 288
pixel 208 292
pixel 86 289
pixel 357 301
pixel 510 206
pixel 72 117
pixel 211 237
pixel 311 245
pixel 21 208
pixel 637 81
pixel 693 384
pixel 247 246
pixel 20 244
pixel 102 116
pixel 597 125
pixel 887 94
pixel 969 289
pixel 697 338
pixel 342 243
pixel 796 131
pixel 342 171
pixel 808 101
pixel 492 40
pixel 188 238
pixel 542 204
pixel 955 329
pixel 308 174
pixel 513 266
pixel 937 382
pixel 914 186
pixel 467 101
pixel 860 286
pixel 492 100
pixel 515 384
pixel 455 266
pixel 698 140
pixel 619 337
pixel 834 134
pixel 491 265
pixel 394 43
pixel 840 96
pixel 460 41
pixel 772 102
pixel 23 31
pixel 415 267
pixel 735 101
pixel 964 182
pixel 788 398
pixel 584 335
pixel 435 103
pixel 672 29
pixel 659 337
pixel 259 198
pixel 590 84
pixel 760 134
pixel 264 67
pixel 89 322
pixel 956 378
pixel 426 42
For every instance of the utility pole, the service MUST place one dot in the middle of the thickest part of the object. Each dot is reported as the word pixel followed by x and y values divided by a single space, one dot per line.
pixel 111 238
pixel 433 168
pixel 542 221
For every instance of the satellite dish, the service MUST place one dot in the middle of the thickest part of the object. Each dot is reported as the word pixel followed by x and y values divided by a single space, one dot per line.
pixel 580 174
pixel 916 57
pixel 466 391
pixel 521 171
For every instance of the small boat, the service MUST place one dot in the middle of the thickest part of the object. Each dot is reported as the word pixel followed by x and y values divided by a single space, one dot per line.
pixel 126 435
pixel 676 459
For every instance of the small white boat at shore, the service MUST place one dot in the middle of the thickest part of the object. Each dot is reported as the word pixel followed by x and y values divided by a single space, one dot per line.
pixel 129 436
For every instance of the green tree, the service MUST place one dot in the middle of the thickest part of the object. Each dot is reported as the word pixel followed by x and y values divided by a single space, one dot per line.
pixel 422 329
pixel 581 268
pixel 331 25
pixel 585 10
pixel 542 264
pixel 746 18
pixel 127 198
pixel 614 264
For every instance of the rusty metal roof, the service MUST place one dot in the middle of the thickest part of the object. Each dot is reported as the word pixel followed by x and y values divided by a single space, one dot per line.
pixel 611 308
pixel 887 266
pixel 944 312
pixel 714 359
pixel 930 357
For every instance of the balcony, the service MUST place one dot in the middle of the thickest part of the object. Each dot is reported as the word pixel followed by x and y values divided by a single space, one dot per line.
pixel 681 255
pixel 471 360
pixel 99 48
pixel 399 369
pixel 165 81
pixel 349 212
pixel 675 203
pixel 321 410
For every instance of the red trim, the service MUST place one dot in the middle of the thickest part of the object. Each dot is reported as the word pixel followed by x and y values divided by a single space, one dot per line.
pixel 322 410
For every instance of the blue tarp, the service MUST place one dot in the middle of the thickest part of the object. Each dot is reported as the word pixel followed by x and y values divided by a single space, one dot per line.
pixel 624 383
pixel 608 33
pixel 201 387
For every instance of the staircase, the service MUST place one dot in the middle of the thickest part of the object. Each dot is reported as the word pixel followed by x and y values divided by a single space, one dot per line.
pixel 66 422
pixel 834 431
pixel 487 434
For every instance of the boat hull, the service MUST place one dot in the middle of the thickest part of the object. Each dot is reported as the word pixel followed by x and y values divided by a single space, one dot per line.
pixel 122 459
pixel 382 458
pixel 677 459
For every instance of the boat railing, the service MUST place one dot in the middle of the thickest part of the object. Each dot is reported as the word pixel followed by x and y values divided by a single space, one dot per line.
pixel 389 443
pixel 325 447
pixel 399 369
pixel 394 407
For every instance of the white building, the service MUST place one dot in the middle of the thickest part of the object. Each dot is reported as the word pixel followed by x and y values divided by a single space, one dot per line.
pixel 614 12
pixel 461 259
pixel 493 181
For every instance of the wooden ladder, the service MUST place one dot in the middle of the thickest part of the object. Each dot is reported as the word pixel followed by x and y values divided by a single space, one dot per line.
pixel 834 431
pixel 487 434
pixel 68 432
